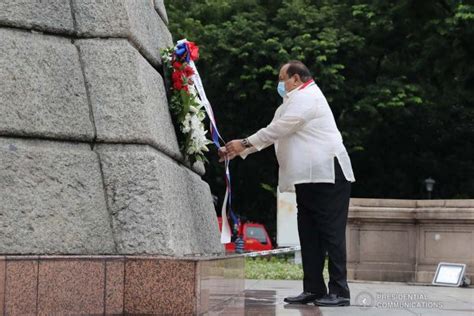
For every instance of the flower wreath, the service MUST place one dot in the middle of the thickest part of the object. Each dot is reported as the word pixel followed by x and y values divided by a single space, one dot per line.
pixel 185 106
pixel 189 107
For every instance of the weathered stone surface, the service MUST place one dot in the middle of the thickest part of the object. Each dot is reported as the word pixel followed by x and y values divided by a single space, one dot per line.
pixel 199 168
pixel 42 91
pixel 101 18
pixel 50 15
pixel 160 8
pixel 136 20
pixel 403 240
pixel 157 206
pixel 94 81
pixel 127 96
pixel 202 213
pixel 52 199
pixel 148 30
pixel 382 203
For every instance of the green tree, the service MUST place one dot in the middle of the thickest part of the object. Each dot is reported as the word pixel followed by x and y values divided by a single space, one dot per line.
pixel 397 74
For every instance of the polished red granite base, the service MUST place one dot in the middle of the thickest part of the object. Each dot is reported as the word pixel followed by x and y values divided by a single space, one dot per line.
pixel 85 285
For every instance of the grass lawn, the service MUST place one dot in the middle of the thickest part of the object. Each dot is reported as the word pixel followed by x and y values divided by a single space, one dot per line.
pixel 275 268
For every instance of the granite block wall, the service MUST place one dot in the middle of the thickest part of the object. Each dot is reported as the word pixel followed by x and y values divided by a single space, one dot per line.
pixel 89 158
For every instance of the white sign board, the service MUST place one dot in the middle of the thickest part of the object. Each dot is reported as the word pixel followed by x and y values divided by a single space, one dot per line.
pixel 287 225
pixel 449 274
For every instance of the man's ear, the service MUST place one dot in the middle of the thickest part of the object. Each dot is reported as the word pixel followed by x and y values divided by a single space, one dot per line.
pixel 297 78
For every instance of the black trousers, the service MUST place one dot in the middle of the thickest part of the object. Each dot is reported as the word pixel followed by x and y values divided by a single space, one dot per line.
pixel 322 219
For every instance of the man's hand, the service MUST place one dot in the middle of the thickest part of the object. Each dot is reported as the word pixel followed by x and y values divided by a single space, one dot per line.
pixel 234 147
pixel 222 154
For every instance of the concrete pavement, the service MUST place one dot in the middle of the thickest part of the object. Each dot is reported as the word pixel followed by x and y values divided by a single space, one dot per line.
pixel 265 297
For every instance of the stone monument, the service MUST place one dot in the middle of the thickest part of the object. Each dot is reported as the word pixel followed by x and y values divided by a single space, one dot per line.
pixel 99 211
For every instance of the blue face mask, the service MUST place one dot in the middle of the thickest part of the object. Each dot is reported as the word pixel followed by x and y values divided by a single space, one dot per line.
pixel 281 89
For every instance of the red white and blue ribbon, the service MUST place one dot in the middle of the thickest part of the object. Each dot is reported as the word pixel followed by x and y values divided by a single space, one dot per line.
pixel 226 232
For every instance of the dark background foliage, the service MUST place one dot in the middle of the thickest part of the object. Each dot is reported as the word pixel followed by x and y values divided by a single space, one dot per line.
pixel 397 74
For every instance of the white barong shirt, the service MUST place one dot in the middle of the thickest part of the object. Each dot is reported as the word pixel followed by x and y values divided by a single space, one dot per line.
pixel 306 140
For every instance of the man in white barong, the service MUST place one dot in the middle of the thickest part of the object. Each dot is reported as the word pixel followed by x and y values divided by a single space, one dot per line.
pixel 314 163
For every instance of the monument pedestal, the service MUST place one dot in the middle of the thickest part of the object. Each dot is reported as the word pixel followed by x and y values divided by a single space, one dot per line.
pixel 114 285
pixel 92 169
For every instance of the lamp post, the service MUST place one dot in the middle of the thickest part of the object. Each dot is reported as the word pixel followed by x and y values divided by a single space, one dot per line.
pixel 429 184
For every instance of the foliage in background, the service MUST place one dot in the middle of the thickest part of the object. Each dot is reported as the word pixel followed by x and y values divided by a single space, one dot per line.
pixel 398 75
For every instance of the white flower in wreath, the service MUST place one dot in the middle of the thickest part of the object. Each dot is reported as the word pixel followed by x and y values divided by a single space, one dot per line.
pixel 199 140
pixel 195 123
pixel 166 57
pixel 186 124
pixel 192 123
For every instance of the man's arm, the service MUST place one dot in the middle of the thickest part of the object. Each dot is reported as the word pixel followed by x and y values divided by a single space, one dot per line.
pixel 243 154
pixel 279 128
pixel 247 151
pixel 250 149
pixel 300 110
pixel 265 137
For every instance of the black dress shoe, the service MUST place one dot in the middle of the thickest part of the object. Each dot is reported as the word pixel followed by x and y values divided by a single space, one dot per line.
pixel 333 300
pixel 303 298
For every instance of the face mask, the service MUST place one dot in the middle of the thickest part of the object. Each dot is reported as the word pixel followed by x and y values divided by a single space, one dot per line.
pixel 281 89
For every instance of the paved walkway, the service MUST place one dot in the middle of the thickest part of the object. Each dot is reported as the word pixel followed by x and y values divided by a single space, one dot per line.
pixel 265 297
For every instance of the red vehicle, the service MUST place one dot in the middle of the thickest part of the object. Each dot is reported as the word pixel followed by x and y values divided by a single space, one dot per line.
pixel 255 237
